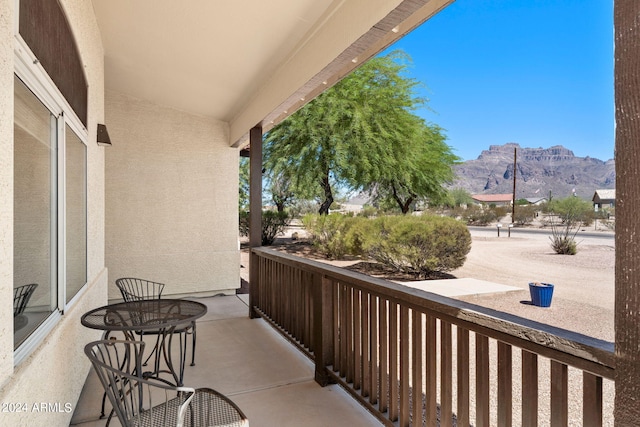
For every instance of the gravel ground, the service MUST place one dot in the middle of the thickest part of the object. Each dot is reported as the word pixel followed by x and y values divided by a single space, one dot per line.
pixel 583 299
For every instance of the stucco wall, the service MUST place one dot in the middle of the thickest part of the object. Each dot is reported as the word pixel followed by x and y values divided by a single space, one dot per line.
pixel 55 371
pixel 6 188
pixel 171 199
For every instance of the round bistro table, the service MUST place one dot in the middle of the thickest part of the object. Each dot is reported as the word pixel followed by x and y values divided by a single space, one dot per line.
pixel 162 317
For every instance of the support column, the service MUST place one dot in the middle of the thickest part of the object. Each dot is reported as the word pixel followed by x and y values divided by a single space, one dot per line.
pixel 255 215
pixel 627 307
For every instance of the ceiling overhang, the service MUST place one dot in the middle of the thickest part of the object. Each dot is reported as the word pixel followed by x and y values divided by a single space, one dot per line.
pixel 245 62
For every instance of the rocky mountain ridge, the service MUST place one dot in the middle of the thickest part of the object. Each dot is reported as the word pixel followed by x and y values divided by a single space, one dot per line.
pixel 538 171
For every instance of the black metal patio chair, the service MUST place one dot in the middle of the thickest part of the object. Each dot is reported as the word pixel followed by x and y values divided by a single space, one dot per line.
pixel 21 297
pixel 133 289
pixel 139 402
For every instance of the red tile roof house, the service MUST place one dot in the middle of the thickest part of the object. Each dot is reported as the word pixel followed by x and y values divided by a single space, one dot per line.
pixel 182 87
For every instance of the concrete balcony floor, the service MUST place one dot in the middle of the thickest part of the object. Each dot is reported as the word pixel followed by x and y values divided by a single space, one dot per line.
pixel 247 360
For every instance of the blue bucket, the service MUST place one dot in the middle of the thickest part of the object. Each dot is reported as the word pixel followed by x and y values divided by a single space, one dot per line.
pixel 541 294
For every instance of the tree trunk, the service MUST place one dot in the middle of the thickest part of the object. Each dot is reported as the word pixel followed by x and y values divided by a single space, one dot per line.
pixel 328 196
pixel 404 205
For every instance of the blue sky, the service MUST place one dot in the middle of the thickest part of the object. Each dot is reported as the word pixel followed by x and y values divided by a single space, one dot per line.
pixel 535 72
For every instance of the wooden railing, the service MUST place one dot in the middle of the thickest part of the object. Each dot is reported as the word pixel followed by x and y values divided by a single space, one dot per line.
pixel 416 358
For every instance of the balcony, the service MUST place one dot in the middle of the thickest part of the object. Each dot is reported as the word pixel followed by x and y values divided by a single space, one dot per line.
pixel 257 368
pixel 373 343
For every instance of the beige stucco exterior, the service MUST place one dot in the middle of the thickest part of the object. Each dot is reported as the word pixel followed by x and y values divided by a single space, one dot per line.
pixel 171 208
pixel 6 188
pixel 56 370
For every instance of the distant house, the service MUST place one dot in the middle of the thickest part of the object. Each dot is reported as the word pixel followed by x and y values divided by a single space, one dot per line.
pixel 536 200
pixel 355 204
pixel 495 199
pixel 604 199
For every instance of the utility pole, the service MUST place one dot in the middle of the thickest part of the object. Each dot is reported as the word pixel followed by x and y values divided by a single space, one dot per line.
pixel 513 202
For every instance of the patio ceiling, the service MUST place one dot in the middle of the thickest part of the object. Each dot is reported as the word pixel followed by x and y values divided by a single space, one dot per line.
pixel 246 62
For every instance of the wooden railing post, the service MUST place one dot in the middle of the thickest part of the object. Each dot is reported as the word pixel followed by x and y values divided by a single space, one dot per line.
pixel 322 327
pixel 627 288
pixel 255 215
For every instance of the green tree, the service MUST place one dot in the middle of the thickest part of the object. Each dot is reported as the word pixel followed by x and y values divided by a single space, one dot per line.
pixel 360 134
pixel 572 210
pixel 281 192
pixel 243 189
pixel 457 197
pixel 421 166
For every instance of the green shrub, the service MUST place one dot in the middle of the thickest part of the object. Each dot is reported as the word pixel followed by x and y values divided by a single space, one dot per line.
pixel 563 238
pixel 244 223
pixel 573 210
pixel 415 245
pixel 420 246
pixel 501 211
pixel 368 211
pixel 564 246
pixel 525 214
pixel 477 215
pixel 273 223
pixel 328 233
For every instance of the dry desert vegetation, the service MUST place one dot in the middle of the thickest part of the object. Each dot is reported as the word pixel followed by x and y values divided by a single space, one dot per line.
pixel 584 283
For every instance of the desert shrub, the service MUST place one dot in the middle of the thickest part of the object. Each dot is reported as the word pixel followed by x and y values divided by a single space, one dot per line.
pixel 501 211
pixel 273 223
pixel 458 212
pixel 357 234
pixel 477 215
pixel 573 210
pixel 368 211
pixel 525 214
pixel 563 237
pixel 564 245
pixel 244 223
pixel 604 218
pixel 611 225
pixel 417 245
pixel 328 233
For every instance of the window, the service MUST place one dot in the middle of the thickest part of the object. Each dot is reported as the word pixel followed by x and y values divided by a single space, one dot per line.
pixel 35 210
pixel 76 213
pixel 50 213
pixel 50 172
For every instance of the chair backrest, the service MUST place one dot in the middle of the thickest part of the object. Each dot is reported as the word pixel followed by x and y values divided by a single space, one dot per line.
pixel 118 365
pixel 21 296
pixel 133 289
pixel 116 362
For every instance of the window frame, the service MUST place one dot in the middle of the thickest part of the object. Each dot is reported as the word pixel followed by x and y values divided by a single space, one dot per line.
pixel 35 78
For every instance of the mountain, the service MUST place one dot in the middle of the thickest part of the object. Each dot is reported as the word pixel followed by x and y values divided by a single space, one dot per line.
pixel 538 171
